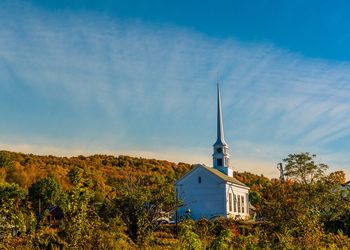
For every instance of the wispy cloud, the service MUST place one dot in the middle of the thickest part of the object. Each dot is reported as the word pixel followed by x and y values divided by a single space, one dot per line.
pixel 131 87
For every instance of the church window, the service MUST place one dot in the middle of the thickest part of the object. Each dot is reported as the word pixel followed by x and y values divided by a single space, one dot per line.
pixel 230 202
pixel 242 204
pixel 219 162
pixel 199 179
pixel 239 203
pixel 219 150
pixel 235 204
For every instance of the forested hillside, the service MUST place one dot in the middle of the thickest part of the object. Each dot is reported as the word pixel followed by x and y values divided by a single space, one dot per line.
pixel 103 170
pixel 112 202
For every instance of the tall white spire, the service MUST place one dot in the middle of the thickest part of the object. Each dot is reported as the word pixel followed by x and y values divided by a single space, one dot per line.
pixel 220 127
pixel 221 155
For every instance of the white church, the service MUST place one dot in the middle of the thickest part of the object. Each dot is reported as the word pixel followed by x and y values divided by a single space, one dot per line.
pixel 209 192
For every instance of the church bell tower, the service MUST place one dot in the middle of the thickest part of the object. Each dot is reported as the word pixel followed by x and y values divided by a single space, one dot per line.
pixel 221 156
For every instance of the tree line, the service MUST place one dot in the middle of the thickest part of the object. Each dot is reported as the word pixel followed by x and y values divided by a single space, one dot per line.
pixel 114 203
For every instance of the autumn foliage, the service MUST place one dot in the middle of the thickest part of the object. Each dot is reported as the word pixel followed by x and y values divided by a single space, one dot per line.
pixel 114 202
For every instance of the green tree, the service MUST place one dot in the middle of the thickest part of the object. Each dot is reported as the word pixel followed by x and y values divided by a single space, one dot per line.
pixel 139 206
pixel 15 215
pixel 5 159
pixel 79 217
pixel 75 175
pixel 223 240
pixel 333 200
pixel 83 228
pixel 302 168
pixel 189 240
pixel 45 193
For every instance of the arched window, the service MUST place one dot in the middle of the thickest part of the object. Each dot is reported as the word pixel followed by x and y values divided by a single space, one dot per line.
pixel 239 203
pixel 235 203
pixel 242 204
pixel 230 202
pixel 199 179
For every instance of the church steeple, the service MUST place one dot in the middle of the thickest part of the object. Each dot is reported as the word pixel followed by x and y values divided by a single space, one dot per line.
pixel 221 155
pixel 220 127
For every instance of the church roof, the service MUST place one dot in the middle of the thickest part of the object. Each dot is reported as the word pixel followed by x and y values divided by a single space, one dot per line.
pixel 223 176
pixel 217 173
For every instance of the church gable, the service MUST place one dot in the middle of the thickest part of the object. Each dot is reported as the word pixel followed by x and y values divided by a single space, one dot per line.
pixel 201 193
pixel 201 174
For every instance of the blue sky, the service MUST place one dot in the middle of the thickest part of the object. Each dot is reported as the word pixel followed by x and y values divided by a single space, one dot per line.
pixel 123 77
